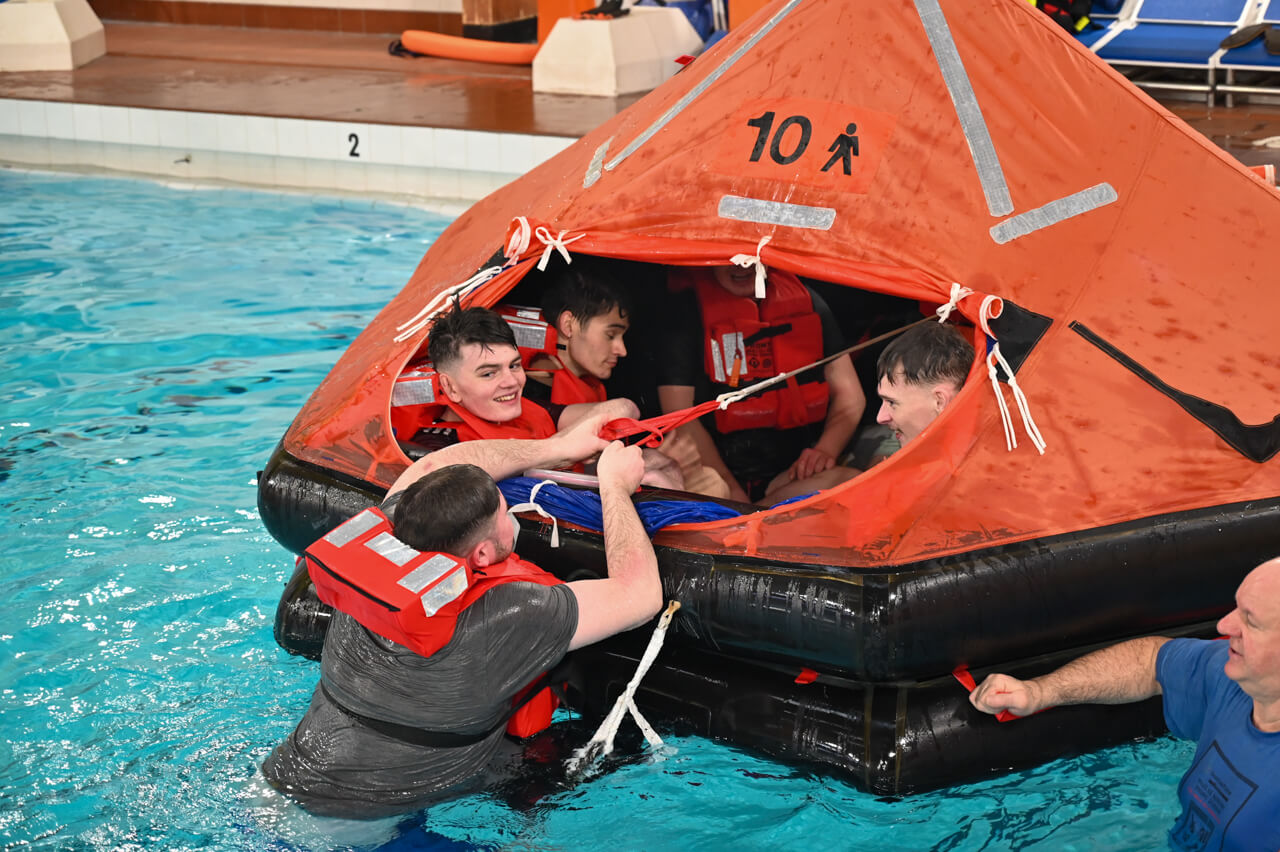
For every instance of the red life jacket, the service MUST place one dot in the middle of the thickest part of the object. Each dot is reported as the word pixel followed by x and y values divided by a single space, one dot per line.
pixel 418 403
pixel 746 341
pixel 536 337
pixel 414 598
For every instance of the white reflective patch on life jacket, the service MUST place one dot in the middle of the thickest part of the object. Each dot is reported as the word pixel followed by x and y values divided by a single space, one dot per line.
pixel 415 386
pixel 428 572
pixel 529 335
pixel 448 589
pixel 392 549
pixel 717 361
pixel 353 529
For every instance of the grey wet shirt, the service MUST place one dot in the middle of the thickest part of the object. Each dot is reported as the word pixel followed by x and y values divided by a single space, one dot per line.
pixel 336 766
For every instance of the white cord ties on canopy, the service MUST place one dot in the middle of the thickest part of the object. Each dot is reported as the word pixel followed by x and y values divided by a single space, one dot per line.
pixel 748 260
pixel 958 292
pixel 601 743
pixel 518 242
pixel 556 243
pixel 531 505
pixel 427 314
pixel 991 308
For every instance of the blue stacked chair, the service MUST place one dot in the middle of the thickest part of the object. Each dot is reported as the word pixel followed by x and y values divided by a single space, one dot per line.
pixel 1175 34
pixel 1252 57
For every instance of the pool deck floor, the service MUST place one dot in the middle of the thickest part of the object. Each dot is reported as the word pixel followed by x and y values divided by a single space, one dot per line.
pixel 352 77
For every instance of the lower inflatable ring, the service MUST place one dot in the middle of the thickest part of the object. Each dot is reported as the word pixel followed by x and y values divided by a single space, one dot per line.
pixel 477 50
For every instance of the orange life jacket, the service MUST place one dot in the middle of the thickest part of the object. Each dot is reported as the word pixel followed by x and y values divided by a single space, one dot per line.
pixel 418 403
pixel 414 598
pixel 746 341
pixel 536 337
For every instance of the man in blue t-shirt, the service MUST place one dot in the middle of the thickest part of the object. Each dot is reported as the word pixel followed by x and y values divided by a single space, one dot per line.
pixel 1223 694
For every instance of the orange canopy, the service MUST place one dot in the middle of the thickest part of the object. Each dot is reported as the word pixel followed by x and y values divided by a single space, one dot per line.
pixel 900 147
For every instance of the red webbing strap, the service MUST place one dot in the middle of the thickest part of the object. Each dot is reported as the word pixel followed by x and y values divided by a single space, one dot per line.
pixel 966 680
pixel 625 427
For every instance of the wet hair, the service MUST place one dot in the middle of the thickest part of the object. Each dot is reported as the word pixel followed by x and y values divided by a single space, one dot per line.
pixel 449 510
pixel 927 354
pixel 585 290
pixel 459 326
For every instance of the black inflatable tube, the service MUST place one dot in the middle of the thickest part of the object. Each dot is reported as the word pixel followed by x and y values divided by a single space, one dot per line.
pixel 906 622
pixel 887 739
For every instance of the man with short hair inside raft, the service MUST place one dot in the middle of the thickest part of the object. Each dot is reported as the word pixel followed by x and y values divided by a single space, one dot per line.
pixel 413 713
pixel 919 374
pixel 1223 693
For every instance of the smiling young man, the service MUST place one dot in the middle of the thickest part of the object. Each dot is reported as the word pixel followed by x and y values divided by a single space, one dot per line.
pixel 1223 694
pixel 920 372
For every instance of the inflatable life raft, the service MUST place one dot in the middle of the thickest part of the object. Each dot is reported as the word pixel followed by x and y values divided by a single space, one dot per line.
pixel 1126 284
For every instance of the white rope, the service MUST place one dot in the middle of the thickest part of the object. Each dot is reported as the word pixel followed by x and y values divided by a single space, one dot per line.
pixel 992 307
pixel 957 293
pixel 440 302
pixel 556 243
pixel 518 242
pixel 748 260
pixel 602 743
pixel 531 506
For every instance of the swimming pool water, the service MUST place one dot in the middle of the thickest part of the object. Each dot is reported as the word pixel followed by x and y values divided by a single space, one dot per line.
pixel 156 342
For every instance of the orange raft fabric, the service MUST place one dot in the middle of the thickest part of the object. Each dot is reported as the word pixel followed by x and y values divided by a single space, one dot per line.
pixel 1177 271
pixel 477 50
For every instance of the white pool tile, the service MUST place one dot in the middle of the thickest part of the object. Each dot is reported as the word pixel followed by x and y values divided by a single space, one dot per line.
pixel 383 178
pixel 60 120
pixel 232 134
pixel 171 129
pixel 202 131
pixel 339 141
pixel 86 122
pixel 515 153
pixel 450 149
pixel 419 146
pixel 10 123
pixel 546 147
pixel 385 144
pixel 318 174
pixel 291 138
pixel 33 119
pixel 143 128
pixel 482 151
pixel 291 172
pixel 115 125
pixel 347 176
pixel 27 150
pixel 261 135
pixel 441 183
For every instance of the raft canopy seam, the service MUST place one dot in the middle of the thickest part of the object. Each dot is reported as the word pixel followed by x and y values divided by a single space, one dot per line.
pixel 972 124
pixel 1054 212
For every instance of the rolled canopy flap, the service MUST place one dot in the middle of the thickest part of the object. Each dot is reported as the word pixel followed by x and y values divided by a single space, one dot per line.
pixel 900 147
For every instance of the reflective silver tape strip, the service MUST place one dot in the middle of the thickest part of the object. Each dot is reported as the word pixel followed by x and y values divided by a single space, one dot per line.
pixel 981 148
pixel 529 335
pixel 596 164
pixel 428 572
pixel 413 392
pixel 445 591
pixel 776 213
pixel 353 529
pixel 1053 212
pixel 392 549
pixel 702 85
pixel 717 360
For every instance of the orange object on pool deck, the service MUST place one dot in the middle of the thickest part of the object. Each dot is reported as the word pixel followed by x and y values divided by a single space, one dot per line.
pixel 477 50
pixel 550 11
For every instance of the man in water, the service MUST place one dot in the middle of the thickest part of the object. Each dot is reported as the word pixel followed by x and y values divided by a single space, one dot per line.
pixel 1223 694
pixel 390 731
pixel 920 372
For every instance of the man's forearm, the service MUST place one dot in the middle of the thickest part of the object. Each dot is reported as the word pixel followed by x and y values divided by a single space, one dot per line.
pixel 629 553
pixel 1118 674
pixel 500 458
